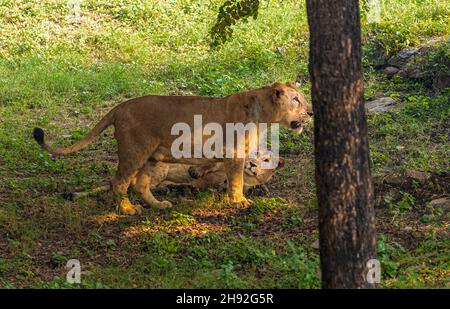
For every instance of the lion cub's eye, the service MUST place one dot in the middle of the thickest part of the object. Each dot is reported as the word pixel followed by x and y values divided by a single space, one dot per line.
pixel 296 99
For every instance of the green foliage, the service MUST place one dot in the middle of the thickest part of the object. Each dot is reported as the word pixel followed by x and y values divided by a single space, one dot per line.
pixel 231 279
pixel 229 13
pixel 59 259
pixel 180 219
pixel 405 203
pixel 385 251
pixel 410 127
pixel 296 144
pixel 163 244
pixel 261 207
pixel 391 37
pixel 403 24
pixel 419 268
pixel 423 107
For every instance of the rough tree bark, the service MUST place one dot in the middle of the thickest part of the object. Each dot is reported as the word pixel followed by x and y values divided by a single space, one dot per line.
pixel 344 189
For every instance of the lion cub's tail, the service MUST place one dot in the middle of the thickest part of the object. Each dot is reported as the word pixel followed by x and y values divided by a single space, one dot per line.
pixel 105 122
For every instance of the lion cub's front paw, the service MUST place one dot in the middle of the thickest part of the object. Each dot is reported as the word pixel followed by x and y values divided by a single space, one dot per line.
pixel 163 205
pixel 126 208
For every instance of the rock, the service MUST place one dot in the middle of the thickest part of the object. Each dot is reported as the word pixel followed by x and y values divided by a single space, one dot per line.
pixel 380 105
pixel 412 65
pixel 402 177
pixel 390 71
pixel 377 55
pixel 281 50
pixel 417 175
pixel 402 58
pixel 441 81
pixel 415 72
pixel 395 180
pixel 442 203
pixel 315 245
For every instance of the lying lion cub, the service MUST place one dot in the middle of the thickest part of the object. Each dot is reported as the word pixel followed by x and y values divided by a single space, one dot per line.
pixel 211 176
pixel 143 133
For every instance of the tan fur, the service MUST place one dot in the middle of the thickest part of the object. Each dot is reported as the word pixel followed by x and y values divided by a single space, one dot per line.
pixel 143 132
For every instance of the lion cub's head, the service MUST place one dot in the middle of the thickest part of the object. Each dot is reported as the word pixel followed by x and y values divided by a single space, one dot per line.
pixel 293 109
pixel 256 171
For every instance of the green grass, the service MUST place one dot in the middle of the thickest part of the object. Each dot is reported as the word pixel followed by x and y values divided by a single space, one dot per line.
pixel 64 77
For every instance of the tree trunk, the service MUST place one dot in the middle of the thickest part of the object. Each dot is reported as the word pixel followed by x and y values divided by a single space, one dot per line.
pixel 344 188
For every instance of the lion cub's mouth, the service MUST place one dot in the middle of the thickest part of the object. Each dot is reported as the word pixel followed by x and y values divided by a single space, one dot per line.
pixel 296 127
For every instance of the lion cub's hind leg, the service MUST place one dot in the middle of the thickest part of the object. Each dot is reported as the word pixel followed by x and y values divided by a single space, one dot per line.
pixel 149 177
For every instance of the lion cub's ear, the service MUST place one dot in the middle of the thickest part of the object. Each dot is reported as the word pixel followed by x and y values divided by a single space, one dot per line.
pixel 281 163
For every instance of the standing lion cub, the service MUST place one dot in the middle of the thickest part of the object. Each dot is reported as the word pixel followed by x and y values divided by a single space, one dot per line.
pixel 143 133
